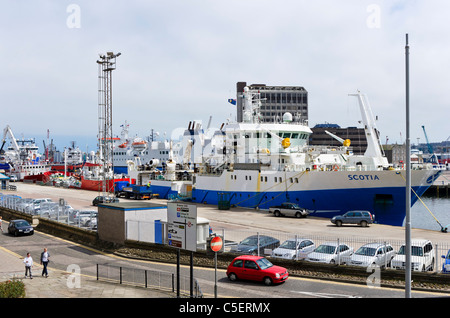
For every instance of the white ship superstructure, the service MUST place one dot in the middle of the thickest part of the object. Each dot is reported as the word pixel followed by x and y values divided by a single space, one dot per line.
pixel 138 150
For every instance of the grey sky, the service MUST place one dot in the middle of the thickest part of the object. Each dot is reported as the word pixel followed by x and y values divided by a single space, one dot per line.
pixel 181 60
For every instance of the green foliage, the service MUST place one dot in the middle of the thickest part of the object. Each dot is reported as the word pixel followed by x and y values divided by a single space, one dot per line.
pixel 14 288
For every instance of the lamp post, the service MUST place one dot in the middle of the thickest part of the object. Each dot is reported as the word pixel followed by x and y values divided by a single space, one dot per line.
pixel 408 184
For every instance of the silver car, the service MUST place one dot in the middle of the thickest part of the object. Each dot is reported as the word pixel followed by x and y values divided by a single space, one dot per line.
pixel 292 249
pixel 379 254
pixel 331 253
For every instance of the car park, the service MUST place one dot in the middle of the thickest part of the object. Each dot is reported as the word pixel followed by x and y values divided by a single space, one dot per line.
pixel 256 268
pixel 17 227
pixel 294 249
pixel 446 265
pixel 255 245
pixel 379 254
pixel 362 218
pixel 331 253
pixel 103 199
pixel 289 209
pixel 422 256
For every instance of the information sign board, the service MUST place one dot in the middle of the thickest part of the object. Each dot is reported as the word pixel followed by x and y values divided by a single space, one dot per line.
pixel 182 225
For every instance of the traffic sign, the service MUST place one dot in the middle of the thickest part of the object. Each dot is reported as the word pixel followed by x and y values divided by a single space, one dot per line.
pixel 216 244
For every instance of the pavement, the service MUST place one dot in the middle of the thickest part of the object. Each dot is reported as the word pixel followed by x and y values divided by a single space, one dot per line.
pixel 62 284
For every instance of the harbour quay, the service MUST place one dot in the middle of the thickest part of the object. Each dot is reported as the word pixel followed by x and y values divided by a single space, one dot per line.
pixel 440 187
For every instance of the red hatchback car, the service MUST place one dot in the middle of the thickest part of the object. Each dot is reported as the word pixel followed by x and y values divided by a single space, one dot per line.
pixel 256 268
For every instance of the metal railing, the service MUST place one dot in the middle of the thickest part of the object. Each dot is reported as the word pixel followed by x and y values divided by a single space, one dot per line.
pixel 55 211
pixel 144 278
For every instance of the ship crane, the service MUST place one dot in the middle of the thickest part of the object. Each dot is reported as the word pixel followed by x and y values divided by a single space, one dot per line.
pixel 345 143
pixel 7 131
pixel 434 158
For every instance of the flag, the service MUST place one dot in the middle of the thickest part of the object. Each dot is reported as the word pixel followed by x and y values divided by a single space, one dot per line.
pixel 232 101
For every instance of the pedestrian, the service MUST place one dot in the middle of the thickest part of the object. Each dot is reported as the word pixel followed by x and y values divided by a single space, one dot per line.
pixel 28 264
pixel 1 223
pixel 45 258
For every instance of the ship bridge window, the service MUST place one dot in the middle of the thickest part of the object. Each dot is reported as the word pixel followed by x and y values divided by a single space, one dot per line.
pixel 294 135
pixel 286 135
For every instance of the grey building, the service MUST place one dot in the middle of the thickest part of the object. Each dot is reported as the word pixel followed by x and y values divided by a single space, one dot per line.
pixel 275 101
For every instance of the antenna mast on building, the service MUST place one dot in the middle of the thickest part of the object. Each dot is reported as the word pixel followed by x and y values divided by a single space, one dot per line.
pixel 106 64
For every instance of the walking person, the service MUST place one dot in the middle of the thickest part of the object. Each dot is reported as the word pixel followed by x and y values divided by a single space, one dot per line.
pixel 45 258
pixel 28 264
pixel 1 223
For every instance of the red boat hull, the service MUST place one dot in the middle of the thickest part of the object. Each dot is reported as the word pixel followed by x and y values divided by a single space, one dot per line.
pixel 97 185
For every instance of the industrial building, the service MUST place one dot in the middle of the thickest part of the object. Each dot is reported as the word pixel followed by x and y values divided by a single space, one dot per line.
pixel 275 101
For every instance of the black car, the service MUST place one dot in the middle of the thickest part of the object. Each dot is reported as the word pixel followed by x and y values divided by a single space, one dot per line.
pixel 362 218
pixel 250 245
pixel 17 227
pixel 103 199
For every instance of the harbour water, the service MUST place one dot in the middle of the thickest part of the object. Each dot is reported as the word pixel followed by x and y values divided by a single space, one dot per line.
pixel 423 219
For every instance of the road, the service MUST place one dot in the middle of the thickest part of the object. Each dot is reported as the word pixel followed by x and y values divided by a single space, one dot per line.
pixel 65 253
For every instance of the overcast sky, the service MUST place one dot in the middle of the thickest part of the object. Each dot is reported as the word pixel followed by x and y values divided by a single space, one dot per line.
pixel 181 60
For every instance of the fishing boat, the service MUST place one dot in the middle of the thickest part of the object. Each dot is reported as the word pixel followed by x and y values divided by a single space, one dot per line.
pixel 22 158
pixel 257 165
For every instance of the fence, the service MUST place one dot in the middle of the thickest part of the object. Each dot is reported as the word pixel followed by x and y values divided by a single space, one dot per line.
pixel 57 211
pixel 164 281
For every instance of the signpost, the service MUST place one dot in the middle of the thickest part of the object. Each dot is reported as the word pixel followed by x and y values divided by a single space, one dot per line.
pixel 182 233
pixel 216 245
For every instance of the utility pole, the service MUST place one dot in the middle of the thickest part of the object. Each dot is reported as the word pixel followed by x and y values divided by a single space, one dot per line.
pixel 106 64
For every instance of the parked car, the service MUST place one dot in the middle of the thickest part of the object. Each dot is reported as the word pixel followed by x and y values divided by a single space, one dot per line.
pixel 292 249
pixel 250 245
pixel 256 268
pixel 446 265
pixel 362 218
pixel 83 217
pixel 331 253
pixel 289 209
pixel 102 199
pixel 13 178
pixel 422 256
pixel 24 205
pixel 35 207
pixel 379 254
pixel 20 226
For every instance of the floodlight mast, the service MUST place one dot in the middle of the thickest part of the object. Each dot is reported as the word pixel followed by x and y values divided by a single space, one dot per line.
pixel 106 64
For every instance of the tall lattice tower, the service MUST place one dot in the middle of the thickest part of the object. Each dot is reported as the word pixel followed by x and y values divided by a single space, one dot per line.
pixel 106 64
